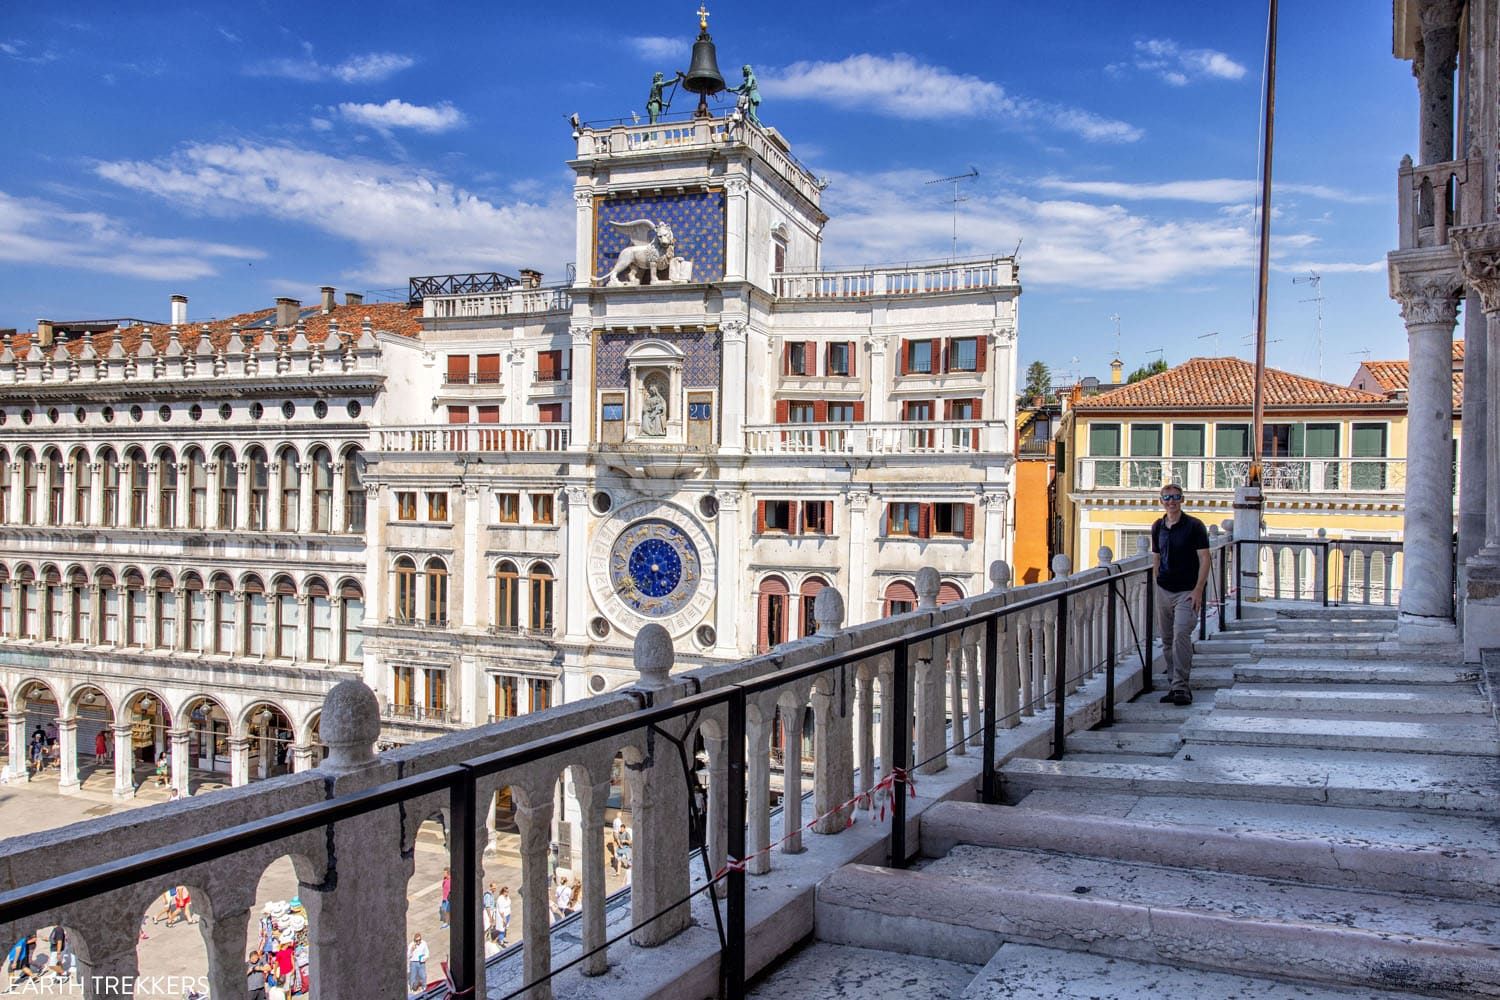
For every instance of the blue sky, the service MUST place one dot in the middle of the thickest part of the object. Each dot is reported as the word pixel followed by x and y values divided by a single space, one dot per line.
pixel 236 152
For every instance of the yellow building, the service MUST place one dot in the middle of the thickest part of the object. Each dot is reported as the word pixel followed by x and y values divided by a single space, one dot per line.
pixel 1335 456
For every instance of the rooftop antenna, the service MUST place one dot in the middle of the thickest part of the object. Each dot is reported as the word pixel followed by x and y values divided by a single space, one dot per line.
pixel 1214 334
pixel 1364 353
pixel 1116 318
pixel 954 180
pixel 1316 280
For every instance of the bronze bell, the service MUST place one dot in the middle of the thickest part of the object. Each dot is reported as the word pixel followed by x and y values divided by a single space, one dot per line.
pixel 703 76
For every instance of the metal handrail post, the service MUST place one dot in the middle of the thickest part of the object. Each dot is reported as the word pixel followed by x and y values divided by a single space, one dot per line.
pixel 1223 585
pixel 1239 574
pixel 900 751
pixel 1150 653
pixel 1059 678
pixel 1325 573
pixel 463 897
pixel 988 792
pixel 734 843
pixel 1110 627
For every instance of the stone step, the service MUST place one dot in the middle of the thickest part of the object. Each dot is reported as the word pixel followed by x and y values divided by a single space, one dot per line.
pixel 1028 971
pixel 1433 782
pixel 1408 699
pixel 1366 849
pixel 1457 735
pixel 1346 612
pixel 1317 670
pixel 1118 741
pixel 1215 645
pixel 1283 638
pixel 1331 648
pixel 1150 913
pixel 861 974
pixel 1148 710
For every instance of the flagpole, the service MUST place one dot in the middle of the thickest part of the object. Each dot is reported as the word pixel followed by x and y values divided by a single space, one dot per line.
pixel 1268 134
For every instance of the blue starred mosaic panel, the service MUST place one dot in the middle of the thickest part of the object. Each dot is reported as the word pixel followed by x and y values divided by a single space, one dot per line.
pixel 700 370
pixel 697 222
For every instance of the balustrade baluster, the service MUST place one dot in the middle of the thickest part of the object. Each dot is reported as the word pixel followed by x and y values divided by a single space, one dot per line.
pixel 866 681
pixel 758 781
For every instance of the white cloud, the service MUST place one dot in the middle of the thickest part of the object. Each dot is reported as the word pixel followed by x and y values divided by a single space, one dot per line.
pixel 658 47
pixel 902 87
pixel 370 67
pixel 1213 191
pixel 1332 267
pixel 398 114
pixel 1068 243
pixel 24 51
pixel 403 219
pixel 1179 66
pixel 34 232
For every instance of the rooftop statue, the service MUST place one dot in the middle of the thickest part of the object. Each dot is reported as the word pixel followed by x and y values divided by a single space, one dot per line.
pixel 749 92
pixel 649 255
pixel 656 103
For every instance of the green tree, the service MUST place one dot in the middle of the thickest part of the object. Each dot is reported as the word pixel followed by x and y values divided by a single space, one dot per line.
pixel 1147 370
pixel 1038 381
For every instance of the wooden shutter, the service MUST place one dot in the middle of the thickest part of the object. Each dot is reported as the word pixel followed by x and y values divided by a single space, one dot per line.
pixel 458 369
pixel 981 348
pixel 489 369
pixel 809 358
pixel 890 519
pixel 489 414
pixel 820 411
pixel 850 349
pixel 546 366
pixel 969 521
pixel 786 358
pixel 924 520
pixel 978 431
pixel 793 517
pixel 859 410
pixel 827 517
pixel 946 345
pixel 783 411
pixel 905 362
pixel 760 517
pixel 458 414
pixel 947 409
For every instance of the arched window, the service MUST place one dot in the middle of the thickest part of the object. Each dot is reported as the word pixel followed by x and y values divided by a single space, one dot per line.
pixel 291 488
pixel 7 602
pixel 83 488
pixel 354 491
pixel 437 592
pixel 771 607
pixel 288 617
pixel 166 498
pixel 135 608
pixel 52 580
pixel 197 613
pixel 27 462
pixel 5 505
pixel 165 611
pixel 541 599
pixel 55 492
pixel 109 608
pixel 226 617
pixel 82 607
pixel 26 602
pixel 320 620
pixel 351 623
pixel 507 597
pixel 406 591
pixel 229 489
pixel 255 604
pixel 900 597
pixel 322 487
pixel 810 588
pixel 197 486
pixel 948 592
pixel 111 475
pixel 140 479
pixel 260 487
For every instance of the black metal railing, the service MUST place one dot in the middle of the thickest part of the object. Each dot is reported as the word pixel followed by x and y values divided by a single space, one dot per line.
pixel 478 283
pixel 460 781
pixel 1330 580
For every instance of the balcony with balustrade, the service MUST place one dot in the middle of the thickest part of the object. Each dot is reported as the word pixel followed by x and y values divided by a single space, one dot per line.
pixel 891 439
pixel 897 281
pixel 1308 477
pixel 470 438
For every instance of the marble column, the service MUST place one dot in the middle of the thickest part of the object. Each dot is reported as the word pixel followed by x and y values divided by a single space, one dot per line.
pixel 181 765
pixel 533 816
pixel 67 759
pixel 736 228
pixel 1434 69
pixel 996 538
pixel 592 799
pixel 581 417
pixel 1472 488
pixel 239 760
pixel 858 604
pixel 1429 305
pixel 733 340
pixel 659 876
pixel 1480 581
pixel 241 499
pixel 576 576
pixel 124 762
pixel 15 725
pixel 304 758
pixel 727 601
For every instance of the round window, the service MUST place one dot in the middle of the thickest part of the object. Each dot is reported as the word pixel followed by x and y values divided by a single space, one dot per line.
pixel 706 636
pixel 108 413
pixel 289 409
pixel 25 416
pixel 52 415
pixel 80 414
pixel 165 413
pixel 597 683
pixel 600 628
pixel 708 505
pixel 257 411
pixel 195 412
pixel 225 411
pixel 602 502
pixel 136 413
pixel 320 409
pixel 354 408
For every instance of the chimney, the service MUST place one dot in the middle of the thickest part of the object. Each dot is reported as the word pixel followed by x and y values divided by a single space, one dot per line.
pixel 354 298
pixel 287 311
pixel 328 302
pixel 44 332
pixel 179 310
pixel 1116 371
pixel 530 278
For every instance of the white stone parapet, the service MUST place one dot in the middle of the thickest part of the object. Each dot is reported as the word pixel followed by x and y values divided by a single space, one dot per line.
pixel 511 302
pixel 900 280
pixel 1311 476
pixel 475 437
pixel 945 437
pixel 1425 211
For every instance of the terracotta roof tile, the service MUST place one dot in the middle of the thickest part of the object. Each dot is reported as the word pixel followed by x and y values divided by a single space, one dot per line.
pixel 1395 376
pixel 1211 382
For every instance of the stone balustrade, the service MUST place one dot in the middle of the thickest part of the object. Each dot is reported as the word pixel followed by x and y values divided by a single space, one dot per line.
pixel 1280 475
pixel 918 279
pixel 510 302
pixel 1344 570
pixel 1434 198
pixel 475 437
pixel 946 437
pixel 880 695
pixel 275 355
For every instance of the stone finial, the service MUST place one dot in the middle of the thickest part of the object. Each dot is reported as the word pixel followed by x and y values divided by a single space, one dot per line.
pixel 1106 555
pixel 1213 530
pixel 1061 566
pixel 1322 533
pixel 1228 525
pixel 828 611
pixel 999 574
pixel 927 588
pixel 653 657
pixel 350 726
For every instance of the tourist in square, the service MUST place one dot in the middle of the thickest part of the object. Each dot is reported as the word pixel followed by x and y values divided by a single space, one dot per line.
pixel 255 975
pixel 503 912
pixel 18 960
pixel 184 903
pixel 101 747
pixel 1179 545
pixel 416 962
pixel 445 905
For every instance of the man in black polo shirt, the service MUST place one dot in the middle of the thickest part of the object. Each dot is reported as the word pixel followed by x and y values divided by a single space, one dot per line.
pixel 1180 544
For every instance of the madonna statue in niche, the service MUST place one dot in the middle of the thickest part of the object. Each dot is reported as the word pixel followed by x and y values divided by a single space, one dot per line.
pixel 654 412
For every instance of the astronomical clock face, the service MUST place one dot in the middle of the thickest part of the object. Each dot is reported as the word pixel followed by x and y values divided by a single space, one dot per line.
pixel 652 562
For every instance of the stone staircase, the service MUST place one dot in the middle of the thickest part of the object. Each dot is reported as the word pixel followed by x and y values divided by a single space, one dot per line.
pixel 1323 821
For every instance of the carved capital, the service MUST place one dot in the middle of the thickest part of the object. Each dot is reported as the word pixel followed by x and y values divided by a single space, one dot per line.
pixel 581 334
pixel 996 501
pixel 583 198
pixel 577 495
pixel 733 331
pixel 1428 300
pixel 859 500
pixel 728 499
pixel 736 186
pixel 1480 252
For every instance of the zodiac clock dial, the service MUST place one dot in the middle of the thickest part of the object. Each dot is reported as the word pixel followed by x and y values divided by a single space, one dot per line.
pixel 654 568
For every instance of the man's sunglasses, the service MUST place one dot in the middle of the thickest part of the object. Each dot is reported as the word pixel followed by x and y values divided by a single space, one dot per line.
pixel 1171 498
